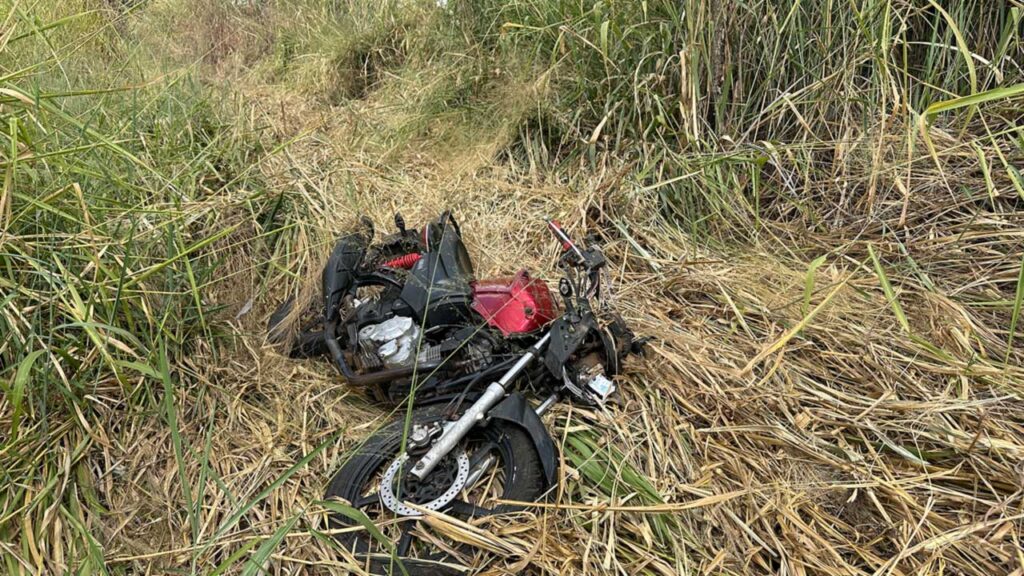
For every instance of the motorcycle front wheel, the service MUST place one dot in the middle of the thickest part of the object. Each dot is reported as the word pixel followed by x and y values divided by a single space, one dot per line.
pixel 516 474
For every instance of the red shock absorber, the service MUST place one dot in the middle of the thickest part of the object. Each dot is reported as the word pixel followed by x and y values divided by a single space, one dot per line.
pixel 403 262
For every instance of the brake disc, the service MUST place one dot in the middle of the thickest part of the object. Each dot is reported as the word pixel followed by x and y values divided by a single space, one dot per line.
pixel 387 484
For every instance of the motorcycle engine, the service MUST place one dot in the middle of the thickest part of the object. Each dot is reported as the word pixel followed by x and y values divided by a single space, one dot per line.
pixel 391 343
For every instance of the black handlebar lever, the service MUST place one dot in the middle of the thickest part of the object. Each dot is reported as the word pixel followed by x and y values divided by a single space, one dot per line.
pixel 588 259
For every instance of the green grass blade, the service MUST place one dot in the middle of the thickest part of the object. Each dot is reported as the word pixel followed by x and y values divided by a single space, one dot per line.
pixel 809 283
pixel 255 564
pixel 890 295
pixel 171 414
pixel 359 516
pixel 235 516
pixel 972 101
pixel 1015 315
pixel 17 392
pixel 230 561
pixel 961 43
pixel 985 97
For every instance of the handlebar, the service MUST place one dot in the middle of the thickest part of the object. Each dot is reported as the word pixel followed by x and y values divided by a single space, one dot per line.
pixel 587 261
pixel 567 243
pixel 587 258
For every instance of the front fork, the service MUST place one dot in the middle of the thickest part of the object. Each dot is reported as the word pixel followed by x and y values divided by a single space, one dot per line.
pixel 456 431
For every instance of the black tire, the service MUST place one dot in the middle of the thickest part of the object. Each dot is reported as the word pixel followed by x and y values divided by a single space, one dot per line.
pixel 518 459
pixel 307 341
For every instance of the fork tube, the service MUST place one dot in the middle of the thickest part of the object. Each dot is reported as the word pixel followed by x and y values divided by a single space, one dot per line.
pixel 546 404
pixel 455 432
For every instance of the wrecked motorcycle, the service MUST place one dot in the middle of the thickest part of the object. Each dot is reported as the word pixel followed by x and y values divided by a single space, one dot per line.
pixel 407 319
pixel 379 298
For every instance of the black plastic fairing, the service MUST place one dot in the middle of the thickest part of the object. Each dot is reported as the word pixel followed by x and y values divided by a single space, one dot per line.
pixel 339 275
pixel 438 287
pixel 566 339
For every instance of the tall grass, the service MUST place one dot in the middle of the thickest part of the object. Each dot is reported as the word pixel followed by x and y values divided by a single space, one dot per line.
pixel 715 97
pixel 122 191
pixel 813 123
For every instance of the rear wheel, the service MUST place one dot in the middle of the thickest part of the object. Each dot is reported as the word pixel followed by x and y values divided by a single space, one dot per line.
pixel 375 480
pixel 301 336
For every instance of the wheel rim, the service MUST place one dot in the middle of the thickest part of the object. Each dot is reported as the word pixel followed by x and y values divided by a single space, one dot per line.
pixel 413 540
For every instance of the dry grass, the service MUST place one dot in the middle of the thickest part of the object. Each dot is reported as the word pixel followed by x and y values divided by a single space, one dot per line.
pixel 847 447
pixel 858 416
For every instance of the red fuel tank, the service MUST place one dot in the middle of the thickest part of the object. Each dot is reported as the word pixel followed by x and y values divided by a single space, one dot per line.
pixel 514 305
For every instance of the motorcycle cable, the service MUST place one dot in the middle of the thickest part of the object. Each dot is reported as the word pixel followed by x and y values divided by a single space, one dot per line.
pixel 456 403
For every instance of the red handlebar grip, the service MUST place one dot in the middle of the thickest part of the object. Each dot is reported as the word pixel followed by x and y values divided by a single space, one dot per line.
pixel 556 228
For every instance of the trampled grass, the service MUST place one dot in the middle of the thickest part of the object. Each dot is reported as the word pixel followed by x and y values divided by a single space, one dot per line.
pixel 814 208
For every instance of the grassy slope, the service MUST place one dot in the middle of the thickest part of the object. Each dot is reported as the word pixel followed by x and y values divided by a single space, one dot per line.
pixel 833 387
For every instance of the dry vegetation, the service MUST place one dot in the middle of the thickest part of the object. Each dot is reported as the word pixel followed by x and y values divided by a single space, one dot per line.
pixel 823 241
